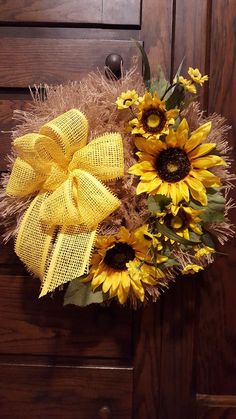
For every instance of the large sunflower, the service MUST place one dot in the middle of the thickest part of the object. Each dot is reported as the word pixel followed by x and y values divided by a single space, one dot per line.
pixel 119 264
pixel 178 165
pixel 153 119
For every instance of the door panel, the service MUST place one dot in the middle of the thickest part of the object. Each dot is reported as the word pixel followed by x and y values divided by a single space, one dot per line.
pixel 119 12
pixel 44 327
pixel 41 59
pixel 40 391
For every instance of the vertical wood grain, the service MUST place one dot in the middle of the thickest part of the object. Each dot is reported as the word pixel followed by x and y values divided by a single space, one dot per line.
pixel 177 377
pixel 147 345
pixel 156 33
pixel 217 316
pixel 178 346
pixel 191 38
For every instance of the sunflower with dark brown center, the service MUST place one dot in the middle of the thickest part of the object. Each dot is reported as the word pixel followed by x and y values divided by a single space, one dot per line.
pixel 177 166
pixel 153 119
pixel 119 264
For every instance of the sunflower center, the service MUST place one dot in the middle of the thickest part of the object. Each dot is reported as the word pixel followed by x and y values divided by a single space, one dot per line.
pixel 119 255
pixel 153 120
pixel 177 222
pixel 172 164
pixel 128 102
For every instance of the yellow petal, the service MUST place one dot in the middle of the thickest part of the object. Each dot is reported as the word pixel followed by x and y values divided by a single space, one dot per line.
pixel 183 126
pixel 184 190
pixel 164 189
pixel 197 190
pixel 116 277
pixel 153 185
pixel 140 168
pixel 125 281
pixel 149 146
pixel 148 176
pixel 98 280
pixel 122 295
pixel 201 150
pixel 142 187
pixel 138 289
pixel 175 193
pixel 208 161
pixel 207 178
pixel 171 139
pixel 107 283
pixel 203 130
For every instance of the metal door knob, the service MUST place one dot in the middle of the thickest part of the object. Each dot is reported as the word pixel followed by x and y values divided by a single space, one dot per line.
pixel 114 63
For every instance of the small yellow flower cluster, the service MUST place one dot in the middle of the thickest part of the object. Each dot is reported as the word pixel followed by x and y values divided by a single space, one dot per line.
pixel 195 77
pixel 152 119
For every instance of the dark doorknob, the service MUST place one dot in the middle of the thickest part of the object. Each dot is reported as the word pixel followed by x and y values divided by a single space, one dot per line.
pixel 105 412
pixel 114 64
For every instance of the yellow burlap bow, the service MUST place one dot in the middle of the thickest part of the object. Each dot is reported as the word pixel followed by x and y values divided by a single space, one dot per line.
pixel 57 232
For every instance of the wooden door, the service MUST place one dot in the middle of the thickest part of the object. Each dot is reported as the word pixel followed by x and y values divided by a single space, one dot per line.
pixel 174 359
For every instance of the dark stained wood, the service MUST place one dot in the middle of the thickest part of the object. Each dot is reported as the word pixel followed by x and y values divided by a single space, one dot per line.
pixel 216 407
pixel 147 344
pixel 118 12
pixel 8 104
pixel 122 12
pixel 192 30
pixel 43 326
pixel 7 254
pixel 156 33
pixel 67 392
pixel 217 312
pixel 177 375
pixel 42 60
pixel 217 325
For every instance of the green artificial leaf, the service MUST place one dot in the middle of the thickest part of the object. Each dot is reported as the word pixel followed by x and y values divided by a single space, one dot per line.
pixel 160 84
pixel 163 229
pixel 207 240
pixel 169 263
pixel 157 203
pixel 214 211
pixel 177 74
pixel 176 97
pixel 146 66
pixel 81 294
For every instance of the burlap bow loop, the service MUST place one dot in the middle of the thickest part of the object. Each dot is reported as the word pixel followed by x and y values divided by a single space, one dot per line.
pixel 57 160
pixel 57 232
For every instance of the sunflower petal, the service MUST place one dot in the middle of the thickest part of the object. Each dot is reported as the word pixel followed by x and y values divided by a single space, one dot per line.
pixel 122 295
pixel 184 191
pixel 203 130
pixel 154 185
pixel 183 126
pixel 208 161
pixel 175 193
pixel 197 190
pixel 141 168
pixel 207 178
pixel 201 150
pixel 149 146
pixel 138 289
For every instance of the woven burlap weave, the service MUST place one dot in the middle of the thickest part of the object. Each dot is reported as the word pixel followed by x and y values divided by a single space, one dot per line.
pixel 67 174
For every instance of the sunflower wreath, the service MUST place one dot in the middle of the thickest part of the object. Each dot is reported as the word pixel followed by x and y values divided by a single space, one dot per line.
pixel 117 186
